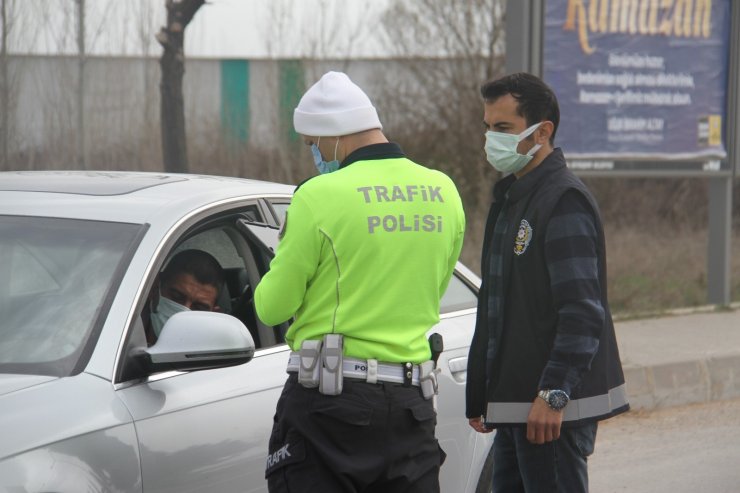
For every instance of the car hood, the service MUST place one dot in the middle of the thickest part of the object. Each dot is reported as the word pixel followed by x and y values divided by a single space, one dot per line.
pixel 10 383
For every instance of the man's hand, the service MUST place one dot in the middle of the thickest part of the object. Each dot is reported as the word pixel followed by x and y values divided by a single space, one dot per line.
pixel 478 425
pixel 543 423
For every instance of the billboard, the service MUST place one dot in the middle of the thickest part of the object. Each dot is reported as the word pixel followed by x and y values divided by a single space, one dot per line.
pixel 639 80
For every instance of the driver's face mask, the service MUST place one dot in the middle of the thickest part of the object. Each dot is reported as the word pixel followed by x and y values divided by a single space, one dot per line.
pixel 165 309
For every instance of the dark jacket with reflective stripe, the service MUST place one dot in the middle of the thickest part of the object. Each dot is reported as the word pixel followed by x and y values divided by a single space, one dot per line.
pixel 507 362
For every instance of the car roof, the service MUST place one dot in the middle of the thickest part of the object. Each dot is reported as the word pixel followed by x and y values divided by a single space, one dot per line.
pixel 83 183
pixel 121 196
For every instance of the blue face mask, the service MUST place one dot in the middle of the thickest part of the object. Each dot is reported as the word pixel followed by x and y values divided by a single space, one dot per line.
pixel 324 166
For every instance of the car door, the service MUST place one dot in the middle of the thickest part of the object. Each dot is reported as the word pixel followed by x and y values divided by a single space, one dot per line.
pixel 464 447
pixel 208 430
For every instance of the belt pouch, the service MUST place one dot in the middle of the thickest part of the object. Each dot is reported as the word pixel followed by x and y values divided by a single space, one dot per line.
pixel 308 368
pixel 428 379
pixel 331 379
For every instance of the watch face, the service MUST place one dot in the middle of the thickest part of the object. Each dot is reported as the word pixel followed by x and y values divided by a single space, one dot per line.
pixel 558 399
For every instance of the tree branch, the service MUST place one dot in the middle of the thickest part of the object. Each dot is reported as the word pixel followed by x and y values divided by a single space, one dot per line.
pixel 172 63
pixel 180 13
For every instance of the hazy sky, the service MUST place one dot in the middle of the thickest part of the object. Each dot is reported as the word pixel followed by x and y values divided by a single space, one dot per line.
pixel 221 28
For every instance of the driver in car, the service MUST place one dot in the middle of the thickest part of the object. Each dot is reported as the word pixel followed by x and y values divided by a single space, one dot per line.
pixel 192 280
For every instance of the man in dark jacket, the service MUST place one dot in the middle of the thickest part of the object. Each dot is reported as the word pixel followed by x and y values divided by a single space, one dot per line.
pixel 544 365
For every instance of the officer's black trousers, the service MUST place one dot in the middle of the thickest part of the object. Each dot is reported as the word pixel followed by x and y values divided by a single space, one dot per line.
pixel 371 438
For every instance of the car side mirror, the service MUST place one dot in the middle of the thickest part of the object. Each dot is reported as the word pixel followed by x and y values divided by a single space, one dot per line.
pixel 195 340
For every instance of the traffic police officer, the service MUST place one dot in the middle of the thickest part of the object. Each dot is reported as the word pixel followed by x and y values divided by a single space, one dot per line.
pixel 367 250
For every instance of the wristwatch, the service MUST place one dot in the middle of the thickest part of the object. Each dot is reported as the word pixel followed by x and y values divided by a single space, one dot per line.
pixel 556 399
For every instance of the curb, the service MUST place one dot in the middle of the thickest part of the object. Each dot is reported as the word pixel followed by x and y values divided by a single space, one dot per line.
pixel 681 360
pixel 685 382
pixel 675 312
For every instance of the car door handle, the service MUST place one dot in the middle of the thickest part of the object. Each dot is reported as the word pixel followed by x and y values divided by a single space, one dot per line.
pixel 459 368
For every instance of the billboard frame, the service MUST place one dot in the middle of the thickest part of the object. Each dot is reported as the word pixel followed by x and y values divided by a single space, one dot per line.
pixel 524 49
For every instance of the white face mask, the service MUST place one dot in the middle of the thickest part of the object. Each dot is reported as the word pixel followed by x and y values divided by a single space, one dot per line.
pixel 165 309
pixel 501 150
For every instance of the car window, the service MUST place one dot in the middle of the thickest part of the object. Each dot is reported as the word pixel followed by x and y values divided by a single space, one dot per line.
pixel 280 208
pixel 217 243
pixel 242 260
pixel 459 296
pixel 58 276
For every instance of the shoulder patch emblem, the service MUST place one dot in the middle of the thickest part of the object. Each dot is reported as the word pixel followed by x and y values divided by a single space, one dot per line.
pixel 523 237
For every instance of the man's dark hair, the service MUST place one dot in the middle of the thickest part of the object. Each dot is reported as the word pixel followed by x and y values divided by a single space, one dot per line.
pixel 537 102
pixel 199 264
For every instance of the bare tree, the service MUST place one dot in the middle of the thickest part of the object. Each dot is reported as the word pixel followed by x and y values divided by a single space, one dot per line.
pixel 458 45
pixel 145 34
pixel 318 30
pixel 172 63
pixel 312 37
pixel 81 84
pixel 432 103
pixel 4 88
pixel 10 20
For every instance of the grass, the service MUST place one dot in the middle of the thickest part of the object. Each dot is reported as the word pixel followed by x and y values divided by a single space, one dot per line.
pixel 653 271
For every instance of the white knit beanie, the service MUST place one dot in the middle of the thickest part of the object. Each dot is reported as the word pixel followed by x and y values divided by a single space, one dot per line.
pixel 334 106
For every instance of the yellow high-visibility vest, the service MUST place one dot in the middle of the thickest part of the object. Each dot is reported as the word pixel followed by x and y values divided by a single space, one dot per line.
pixel 367 252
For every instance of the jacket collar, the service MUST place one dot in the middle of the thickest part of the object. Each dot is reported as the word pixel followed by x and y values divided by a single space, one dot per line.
pixel 514 189
pixel 386 150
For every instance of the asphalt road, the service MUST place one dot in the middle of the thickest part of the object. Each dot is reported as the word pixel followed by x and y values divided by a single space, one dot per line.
pixel 693 448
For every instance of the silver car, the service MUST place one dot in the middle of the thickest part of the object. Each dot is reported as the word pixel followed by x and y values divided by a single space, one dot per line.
pixel 87 406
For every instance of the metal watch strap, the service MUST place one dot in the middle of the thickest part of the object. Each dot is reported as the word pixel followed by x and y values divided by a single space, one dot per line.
pixel 548 395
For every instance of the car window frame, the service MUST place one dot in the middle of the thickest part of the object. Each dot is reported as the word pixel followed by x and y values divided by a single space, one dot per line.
pixel 468 284
pixel 187 225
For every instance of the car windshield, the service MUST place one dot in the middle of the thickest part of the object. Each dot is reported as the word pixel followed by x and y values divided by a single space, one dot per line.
pixel 58 279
